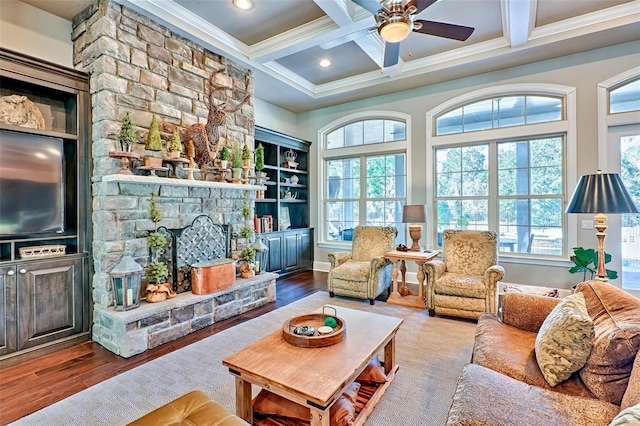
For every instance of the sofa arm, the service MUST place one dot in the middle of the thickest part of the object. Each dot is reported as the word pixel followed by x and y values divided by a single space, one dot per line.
pixel 337 258
pixel 525 311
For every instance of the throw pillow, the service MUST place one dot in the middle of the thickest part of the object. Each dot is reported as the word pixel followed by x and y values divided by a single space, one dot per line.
pixel 616 321
pixel 373 373
pixel 274 405
pixel 565 339
pixel 342 412
pixel 351 392
pixel 628 416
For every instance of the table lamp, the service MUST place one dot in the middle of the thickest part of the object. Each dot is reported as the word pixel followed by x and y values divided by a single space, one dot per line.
pixel 601 193
pixel 415 214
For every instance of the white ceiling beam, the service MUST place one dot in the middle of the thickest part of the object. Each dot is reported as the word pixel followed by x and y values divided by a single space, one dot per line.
pixel 518 20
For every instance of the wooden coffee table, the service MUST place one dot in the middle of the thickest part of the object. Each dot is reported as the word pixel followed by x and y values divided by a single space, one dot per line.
pixel 315 377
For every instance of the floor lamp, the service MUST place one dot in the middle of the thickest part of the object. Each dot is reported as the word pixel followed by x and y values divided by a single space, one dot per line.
pixel 415 214
pixel 599 194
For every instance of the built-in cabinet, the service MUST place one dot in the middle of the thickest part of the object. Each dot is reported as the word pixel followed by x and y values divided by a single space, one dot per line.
pixel 285 202
pixel 44 269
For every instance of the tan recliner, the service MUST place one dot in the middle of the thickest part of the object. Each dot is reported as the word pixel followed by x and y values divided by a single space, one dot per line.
pixel 363 272
pixel 463 283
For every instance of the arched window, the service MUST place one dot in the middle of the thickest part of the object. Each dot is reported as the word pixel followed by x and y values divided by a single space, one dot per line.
pixel 619 152
pixel 503 158
pixel 364 171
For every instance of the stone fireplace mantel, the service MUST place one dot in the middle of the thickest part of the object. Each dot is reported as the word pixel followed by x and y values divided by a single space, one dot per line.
pixel 180 182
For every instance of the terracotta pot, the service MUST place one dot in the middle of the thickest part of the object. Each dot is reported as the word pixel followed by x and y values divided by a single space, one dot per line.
pixel 153 161
pixel 174 154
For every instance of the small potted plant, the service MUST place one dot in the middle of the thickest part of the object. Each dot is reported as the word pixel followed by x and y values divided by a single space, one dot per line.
pixel 175 146
pixel 224 157
pixel 153 143
pixel 157 271
pixel 246 232
pixel 586 261
pixel 246 155
pixel 127 136
pixel 247 267
pixel 236 160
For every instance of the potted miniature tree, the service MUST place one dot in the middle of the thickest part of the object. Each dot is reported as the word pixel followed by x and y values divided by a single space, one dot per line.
pixel 236 161
pixel 157 271
pixel 127 136
pixel 224 157
pixel 246 155
pixel 175 146
pixel 260 175
pixel 153 143
pixel 247 268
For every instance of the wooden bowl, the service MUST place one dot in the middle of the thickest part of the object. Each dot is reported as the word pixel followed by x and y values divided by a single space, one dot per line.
pixel 314 320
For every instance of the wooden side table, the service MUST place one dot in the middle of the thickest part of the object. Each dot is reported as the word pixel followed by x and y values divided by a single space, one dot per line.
pixel 402 295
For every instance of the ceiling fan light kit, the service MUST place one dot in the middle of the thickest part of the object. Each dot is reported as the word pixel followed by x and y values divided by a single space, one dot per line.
pixel 243 4
pixel 395 21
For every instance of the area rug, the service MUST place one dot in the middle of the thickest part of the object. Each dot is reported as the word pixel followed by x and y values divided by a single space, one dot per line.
pixel 431 352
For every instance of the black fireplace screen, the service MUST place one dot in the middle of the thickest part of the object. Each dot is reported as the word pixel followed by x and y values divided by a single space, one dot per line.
pixel 202 240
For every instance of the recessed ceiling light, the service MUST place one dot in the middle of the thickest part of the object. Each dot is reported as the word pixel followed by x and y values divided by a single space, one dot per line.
pixel 324 63
pixel 243 4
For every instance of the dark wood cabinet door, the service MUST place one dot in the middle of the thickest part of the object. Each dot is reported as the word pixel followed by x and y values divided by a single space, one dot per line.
pixel 305 249
pixel 8 302
pixel 274 242
pixel 49 309
pixel 290 240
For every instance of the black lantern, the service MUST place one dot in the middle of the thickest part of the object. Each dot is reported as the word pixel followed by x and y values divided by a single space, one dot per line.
pixel 261 256
pixel 125 282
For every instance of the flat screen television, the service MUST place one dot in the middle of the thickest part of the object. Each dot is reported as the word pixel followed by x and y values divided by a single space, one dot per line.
pixel 31 184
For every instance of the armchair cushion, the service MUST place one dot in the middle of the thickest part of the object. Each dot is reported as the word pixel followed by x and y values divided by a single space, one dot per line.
pixel 467 253
pixel 352 271
pixel 461 285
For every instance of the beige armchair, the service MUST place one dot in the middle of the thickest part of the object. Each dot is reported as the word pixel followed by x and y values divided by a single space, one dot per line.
pixel 463 283
pixel 363 272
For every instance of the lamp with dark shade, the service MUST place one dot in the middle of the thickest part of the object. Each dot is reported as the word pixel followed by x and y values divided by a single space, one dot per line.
pixel 415 214
pixel 601 193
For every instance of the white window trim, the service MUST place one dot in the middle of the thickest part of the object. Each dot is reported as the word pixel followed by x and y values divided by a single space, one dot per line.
pixel 567 125
pixel 606 120
pixel 352 151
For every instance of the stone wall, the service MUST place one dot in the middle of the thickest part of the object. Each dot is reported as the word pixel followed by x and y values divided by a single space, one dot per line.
pixel 143 68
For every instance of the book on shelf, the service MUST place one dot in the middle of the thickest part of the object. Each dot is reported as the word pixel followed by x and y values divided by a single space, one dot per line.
pixel 263 224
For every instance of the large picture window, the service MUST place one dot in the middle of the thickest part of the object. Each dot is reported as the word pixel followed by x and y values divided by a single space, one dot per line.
pixel 363 188
pixel 500 163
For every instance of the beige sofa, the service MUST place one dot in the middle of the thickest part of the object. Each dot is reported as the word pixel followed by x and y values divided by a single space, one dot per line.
pixel 503 384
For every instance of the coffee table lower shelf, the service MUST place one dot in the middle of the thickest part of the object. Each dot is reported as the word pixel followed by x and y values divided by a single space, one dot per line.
pixel 368 398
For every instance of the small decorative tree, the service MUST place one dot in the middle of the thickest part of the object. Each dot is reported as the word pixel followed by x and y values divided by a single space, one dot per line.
pixel 127 136
pixel 246 155
pixel 224 157
pixel 260 157
pixel 154 143
pixel 157 271
pixel 175 145
pixel 247 267
pixel 236 155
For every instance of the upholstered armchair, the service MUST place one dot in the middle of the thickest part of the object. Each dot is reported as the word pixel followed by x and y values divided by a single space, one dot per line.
pixel 463 283
pixel 363 272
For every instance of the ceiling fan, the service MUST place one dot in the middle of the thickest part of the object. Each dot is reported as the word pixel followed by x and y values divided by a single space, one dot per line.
pixel 395 20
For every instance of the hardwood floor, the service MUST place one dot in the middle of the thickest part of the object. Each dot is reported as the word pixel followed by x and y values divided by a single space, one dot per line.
pixel 35 384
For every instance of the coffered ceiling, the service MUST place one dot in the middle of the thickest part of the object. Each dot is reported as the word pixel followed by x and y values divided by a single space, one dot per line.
pixel 284 40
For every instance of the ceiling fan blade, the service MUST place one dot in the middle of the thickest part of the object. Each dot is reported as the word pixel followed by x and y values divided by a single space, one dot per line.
pixel 346 38
pixel 441 29
pixel 391 54
pixel 371 5
pixel 421 4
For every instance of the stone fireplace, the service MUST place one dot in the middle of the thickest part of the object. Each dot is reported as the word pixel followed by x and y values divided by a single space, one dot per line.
pixel 143 68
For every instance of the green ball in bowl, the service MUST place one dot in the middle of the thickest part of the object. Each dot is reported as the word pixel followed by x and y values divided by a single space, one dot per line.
pixel 331 322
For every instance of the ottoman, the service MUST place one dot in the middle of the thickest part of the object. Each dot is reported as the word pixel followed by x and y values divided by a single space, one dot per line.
pixel 193 408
